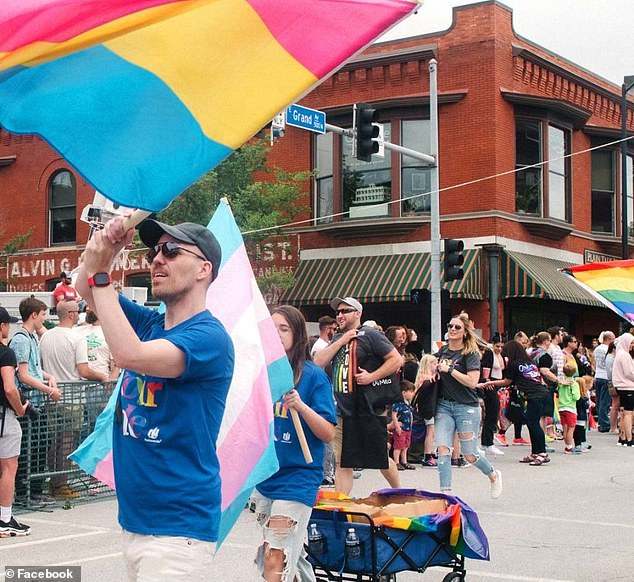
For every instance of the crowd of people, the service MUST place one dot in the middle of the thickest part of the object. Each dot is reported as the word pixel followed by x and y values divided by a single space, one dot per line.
pixel 364 397
pixel 44 372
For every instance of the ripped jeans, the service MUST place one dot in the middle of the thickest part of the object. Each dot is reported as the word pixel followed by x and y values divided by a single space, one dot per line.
pixel 288 539
pixel 465 418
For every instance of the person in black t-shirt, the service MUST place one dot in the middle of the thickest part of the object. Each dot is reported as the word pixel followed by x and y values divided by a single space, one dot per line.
pixel 458 407
pixel 527 379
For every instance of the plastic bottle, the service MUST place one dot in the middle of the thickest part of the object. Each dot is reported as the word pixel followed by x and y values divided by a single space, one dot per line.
pixel 317 543
pixel 353 545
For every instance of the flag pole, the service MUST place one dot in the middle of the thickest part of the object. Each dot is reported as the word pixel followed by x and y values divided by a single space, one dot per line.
pixel 299 429
pixel 137 217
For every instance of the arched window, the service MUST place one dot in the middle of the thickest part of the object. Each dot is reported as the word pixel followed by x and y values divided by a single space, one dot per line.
pixel 62 195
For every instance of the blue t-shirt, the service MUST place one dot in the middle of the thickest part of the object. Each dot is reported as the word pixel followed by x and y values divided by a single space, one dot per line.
pixel 295 480
pixel 164 440
pixel 404 414
pixel 27 350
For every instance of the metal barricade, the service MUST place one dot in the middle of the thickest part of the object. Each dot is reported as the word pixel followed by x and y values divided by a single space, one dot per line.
pixel 45 475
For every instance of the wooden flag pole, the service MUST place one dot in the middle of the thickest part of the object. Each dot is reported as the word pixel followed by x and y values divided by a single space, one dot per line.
pixel 137 217
pixel 299 429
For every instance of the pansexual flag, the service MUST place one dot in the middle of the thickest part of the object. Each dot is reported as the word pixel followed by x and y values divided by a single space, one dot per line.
pixel 262 374
pixel 142 97
pixel 612 283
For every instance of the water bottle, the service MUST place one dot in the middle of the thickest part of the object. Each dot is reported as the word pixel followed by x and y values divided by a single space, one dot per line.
pixel 317 543
pixel 353 546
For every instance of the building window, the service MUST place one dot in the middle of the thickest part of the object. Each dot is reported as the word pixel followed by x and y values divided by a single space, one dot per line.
pixel 603 195
pixel 415 175
pixel 365 184
pixel 535 141
pixel 141 280
pixel 324 181
pixel 61 204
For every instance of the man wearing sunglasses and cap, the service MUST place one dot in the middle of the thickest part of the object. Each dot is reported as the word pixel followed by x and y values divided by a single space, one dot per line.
pixel 363 362
pixel 177 369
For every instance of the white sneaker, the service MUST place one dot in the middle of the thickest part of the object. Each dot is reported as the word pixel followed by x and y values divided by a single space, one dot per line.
pixel 496 486
pixel 493 450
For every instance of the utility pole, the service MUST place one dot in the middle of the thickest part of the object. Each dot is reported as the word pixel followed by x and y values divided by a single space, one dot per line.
pixel 435 331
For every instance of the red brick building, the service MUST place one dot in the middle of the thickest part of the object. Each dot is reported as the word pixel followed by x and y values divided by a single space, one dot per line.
pixel 504 104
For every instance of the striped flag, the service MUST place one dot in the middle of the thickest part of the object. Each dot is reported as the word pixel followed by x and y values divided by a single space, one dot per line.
pixel 262 374
pixel 143 97
pixel 611 282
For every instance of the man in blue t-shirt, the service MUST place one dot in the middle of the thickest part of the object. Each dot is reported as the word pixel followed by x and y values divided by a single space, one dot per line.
pixel 177 371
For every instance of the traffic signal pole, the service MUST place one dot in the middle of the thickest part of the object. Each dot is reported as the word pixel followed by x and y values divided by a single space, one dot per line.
pixel 435 331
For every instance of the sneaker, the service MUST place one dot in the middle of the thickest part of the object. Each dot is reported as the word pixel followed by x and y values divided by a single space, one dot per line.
pixel 460 462
pixel 549 450
pixel 522 442
pixel 586 446
pixel 571 452
pixel 65 492
pixel 493 450
pixel 501 440
pixel 43 499
pixel 549 439
pixel 13 528
pixel 430 462
pixel 496 486
pixel 621 442
pixel 356 474
pixel 328 482
pixel 577 450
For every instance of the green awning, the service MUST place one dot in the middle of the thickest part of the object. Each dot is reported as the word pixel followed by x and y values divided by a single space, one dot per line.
pixel 377 279
pixel 526 275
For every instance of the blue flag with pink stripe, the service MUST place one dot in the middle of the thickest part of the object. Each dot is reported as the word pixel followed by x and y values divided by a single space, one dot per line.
pixel 262 374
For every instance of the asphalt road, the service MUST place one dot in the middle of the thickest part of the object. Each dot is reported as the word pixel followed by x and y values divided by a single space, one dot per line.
pixel 571 520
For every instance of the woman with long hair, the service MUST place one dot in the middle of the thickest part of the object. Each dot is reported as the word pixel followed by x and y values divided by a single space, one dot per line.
pixel 615 404
pixel 284 501
pixel 623 380
pixel 525 375
pixel 425 376
pixel 458 407
pixel 489 398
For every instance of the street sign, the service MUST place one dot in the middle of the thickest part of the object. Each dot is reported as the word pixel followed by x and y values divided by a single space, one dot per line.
pixel 306 118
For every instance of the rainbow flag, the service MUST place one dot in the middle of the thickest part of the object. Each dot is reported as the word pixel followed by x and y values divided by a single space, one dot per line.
pixel 262 374
pixel 143 97
pixel 612 283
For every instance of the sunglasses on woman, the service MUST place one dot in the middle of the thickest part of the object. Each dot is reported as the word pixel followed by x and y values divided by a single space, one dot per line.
pixel 454 326
pixel 170 250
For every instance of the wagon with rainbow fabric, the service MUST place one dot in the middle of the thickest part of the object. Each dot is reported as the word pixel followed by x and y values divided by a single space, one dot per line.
pixel 445 533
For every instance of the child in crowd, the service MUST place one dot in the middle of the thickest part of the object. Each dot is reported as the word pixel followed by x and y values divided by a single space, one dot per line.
pixel 426 374
pixel 569 394
pixel 402 416
pixel 583 405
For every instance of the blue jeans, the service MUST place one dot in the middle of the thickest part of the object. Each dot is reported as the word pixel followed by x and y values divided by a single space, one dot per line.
pixel 604 401
pixel 465 418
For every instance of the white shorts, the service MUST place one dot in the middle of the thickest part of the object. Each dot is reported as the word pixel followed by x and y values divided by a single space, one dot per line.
pixel 151 558
pixel 11 435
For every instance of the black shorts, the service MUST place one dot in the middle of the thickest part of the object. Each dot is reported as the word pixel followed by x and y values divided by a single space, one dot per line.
pixel 549 404
pixel 364 442
pixel 627 399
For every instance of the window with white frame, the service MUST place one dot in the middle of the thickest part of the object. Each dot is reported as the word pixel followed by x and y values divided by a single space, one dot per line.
pixel 62 207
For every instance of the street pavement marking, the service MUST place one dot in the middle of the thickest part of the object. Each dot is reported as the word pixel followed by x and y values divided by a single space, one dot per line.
pixel 52 540
pixel 559 519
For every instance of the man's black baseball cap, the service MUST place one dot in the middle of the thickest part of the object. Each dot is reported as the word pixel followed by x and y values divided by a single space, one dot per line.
pixel 151 231
pixel 6 318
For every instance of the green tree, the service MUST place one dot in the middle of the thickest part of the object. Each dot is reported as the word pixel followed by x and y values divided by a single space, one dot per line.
pixel 256 204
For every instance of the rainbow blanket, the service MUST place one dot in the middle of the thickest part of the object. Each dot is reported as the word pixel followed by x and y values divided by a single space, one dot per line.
pixel 143 97
pixel 612 283
pixel 466 536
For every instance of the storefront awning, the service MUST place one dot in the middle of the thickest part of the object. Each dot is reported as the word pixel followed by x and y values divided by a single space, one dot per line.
pixel 540 277
pixel 377 279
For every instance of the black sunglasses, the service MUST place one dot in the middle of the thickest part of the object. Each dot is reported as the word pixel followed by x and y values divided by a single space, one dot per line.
pixel 454 326
pixel 348 310
pixel 170 250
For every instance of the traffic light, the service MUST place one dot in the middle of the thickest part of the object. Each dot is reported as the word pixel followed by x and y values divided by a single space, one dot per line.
pixel 454 259
pixel 365 118
pixel 278 128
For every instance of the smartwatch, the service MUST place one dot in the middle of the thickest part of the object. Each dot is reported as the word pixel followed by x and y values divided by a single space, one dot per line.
pixel 100 280
pixel 450 369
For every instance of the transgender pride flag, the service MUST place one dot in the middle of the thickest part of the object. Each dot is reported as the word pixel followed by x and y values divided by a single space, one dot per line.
pixel 261 375
pixel 143 97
